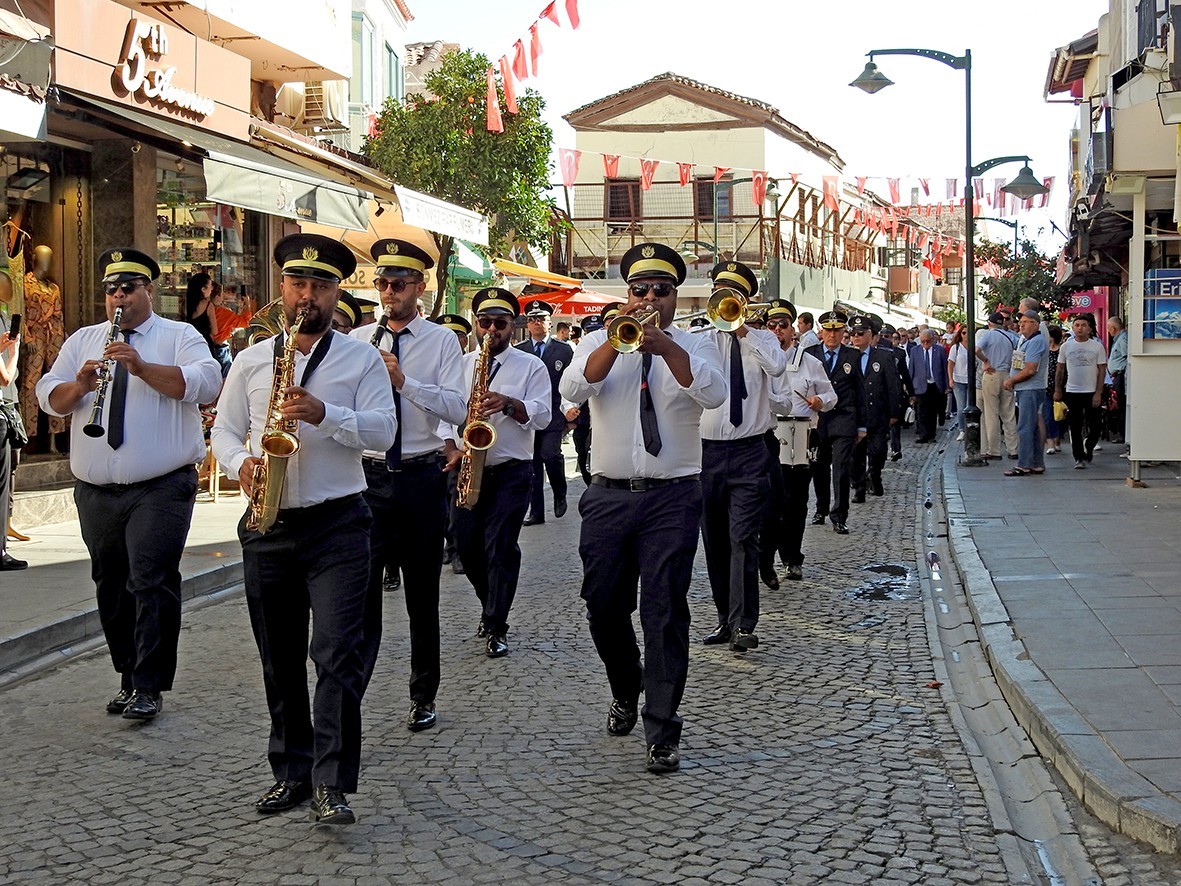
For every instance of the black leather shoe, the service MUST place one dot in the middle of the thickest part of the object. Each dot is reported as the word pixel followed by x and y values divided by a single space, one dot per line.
pixel 530 520
pixel 876 488
pixel 840 528
pixel 392 581
pixel 859 498
pixel 283 796
pixel 719 635
pixel 482 631
pixel 819 519
pixel 143 705
pixel 448 556
pixel 9 563
pixel 621 719
pixel 329 806
pixel 559 506
pixel 457 567
pixel 663 758
pixel 770 579
pixel 118 704
pixel 743 641
pixel 422 716
pixel 895 456
pixel 497 645
pixel 795 572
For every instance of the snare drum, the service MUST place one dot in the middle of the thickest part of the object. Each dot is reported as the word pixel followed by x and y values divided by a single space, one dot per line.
pixel 792 431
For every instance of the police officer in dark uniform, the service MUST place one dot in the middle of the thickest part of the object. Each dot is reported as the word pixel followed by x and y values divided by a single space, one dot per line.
pixel 883 399
pixel 886 340
pixel 547 457
pixel 841 427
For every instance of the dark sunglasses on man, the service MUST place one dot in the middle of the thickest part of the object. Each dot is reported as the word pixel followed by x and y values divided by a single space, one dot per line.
pixel 501 323
pixel 660 290
pixel 128 287
pixel 778 324
pixel 384 283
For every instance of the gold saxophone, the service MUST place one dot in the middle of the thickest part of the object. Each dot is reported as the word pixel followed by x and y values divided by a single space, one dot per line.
pixel 277 443
pixel 478 435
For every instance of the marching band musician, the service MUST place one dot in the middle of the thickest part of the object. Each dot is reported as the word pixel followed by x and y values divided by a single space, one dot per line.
pixel 343 403
pixel 137 482
pixel 802 391
pixel 641 513
pixel 406 489
pixel 462 329
pixel 517 405
pixel 735 483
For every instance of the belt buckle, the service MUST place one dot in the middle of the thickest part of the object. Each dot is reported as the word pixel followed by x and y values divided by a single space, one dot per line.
pixel 637 484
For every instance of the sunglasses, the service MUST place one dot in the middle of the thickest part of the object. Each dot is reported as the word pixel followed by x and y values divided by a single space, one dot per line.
pixel 660 290
pixel 778 324
pixel 382 284
pixel 501 323
pixel 128 287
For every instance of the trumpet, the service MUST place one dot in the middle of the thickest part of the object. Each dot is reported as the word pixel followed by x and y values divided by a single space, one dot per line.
pixel 728 309
pixel 106 373
pixel 625 332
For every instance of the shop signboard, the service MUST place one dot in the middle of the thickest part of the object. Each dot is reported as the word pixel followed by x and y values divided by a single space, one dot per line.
pixel 1162 304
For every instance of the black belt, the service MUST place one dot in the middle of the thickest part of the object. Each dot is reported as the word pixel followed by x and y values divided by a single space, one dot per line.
pixel 121 487
pixel 639 484
pixel 430 459
pixel 315 511
pixel 511 463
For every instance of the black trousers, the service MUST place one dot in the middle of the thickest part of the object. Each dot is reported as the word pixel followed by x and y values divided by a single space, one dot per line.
pixel 896 437
pixel 929 412
pixel 649 538
pixel 547 459
pixel 450 548
pixel 409 509
pixel 1085 422
pixel 869 457
pixel 135 534
pixel 783 530
pixel 314 561
pixel 582 445
pixel 488 536
pixel 834 457
pixel 735 489
pixel 6 470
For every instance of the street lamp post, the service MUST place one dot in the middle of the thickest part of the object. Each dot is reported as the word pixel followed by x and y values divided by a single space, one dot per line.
pixel 1003 221
pixel 872 80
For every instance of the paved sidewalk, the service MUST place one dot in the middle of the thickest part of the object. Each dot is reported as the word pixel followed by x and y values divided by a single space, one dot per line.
pixel 49 608
pixel 1074 583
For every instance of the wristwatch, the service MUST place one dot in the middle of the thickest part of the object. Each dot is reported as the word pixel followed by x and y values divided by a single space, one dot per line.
pixel 509 408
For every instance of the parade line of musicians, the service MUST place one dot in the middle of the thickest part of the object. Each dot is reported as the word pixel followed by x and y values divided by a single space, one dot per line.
pixel 717 429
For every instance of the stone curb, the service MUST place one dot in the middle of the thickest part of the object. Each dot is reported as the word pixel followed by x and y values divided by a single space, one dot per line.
pixel 1108 788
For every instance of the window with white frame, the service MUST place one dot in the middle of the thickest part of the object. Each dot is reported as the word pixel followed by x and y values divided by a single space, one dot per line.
pixel 361 86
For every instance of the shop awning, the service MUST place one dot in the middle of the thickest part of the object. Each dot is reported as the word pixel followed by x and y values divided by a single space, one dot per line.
pixel 536 275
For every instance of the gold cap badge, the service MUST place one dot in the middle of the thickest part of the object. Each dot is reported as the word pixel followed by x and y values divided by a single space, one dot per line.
pixel 648 252
pixel 116 256
pixel 311 253
pixel 391 248
pixel 731 267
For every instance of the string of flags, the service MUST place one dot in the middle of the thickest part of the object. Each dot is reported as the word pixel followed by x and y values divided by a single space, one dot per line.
pixel 523 63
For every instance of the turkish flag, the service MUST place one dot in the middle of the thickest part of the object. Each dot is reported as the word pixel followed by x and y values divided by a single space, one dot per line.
pixel 1048 181
pixel 551 13
pixel 719 171
pixel 495 123
pixel 520 66
pixel 923 238
pixel 832 188
pixel 895 191
pixel 611 165
pixel 510 89
pixel 534 47
pixel 572 13
pixel 938 210
pixel 758 185
pixel 861 180
pixel 685 172
pixel 925 184
pixel 952 188
pixel 568 160
pixel 795 177
pixel 647 172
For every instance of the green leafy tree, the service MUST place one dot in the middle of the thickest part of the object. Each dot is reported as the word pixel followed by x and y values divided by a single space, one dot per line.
pixel 439 144
pixel 1029 274
pixel 950 314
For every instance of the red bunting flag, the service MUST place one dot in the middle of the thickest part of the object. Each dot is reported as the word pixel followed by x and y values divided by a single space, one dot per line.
pixel 568 160
pixel 534 48
pixel 795 177
pixel 938 210
pixel 858 216
pixel 520 66
pixel 938 245
pixel 551 13
pixel 494 123
pixel 978 188
pixel 572 13
pixel 959 247
pixel 510 89
pixel 832 190
pixel 1048 181
pixel 861 180
pixel 923 238
pixel 685 173
pixel 925 184
pixel 720 171
pixel 953 185
pixel 647 172
pixel 895 191
pixel 758 185
pixel 611 165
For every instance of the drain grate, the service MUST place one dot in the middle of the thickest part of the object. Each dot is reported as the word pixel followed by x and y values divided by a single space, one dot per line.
pixel 971 522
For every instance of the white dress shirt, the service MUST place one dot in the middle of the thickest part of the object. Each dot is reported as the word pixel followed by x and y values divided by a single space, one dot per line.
pixel 523 377
pixel 358 414
pixel 789 392
pixel 809 339
pixel 429 355
pixel 161 433
pixel 762 359
pixel 618 449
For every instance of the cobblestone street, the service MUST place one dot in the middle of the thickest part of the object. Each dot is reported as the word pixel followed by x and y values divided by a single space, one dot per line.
pixel 822 757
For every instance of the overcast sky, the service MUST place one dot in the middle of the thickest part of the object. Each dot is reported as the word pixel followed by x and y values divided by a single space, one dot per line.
pixel 799 55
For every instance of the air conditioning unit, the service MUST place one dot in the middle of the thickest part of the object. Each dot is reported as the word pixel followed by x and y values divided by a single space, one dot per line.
pixel 325 107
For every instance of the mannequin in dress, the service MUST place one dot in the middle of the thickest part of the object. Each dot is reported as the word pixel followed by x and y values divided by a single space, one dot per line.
pixel 44 332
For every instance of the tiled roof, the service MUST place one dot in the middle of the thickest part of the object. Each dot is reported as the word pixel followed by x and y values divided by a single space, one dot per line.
pixel 670 77
pixel 36 93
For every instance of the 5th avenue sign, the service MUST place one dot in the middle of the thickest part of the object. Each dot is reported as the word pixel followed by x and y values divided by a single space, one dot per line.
pixel 146 41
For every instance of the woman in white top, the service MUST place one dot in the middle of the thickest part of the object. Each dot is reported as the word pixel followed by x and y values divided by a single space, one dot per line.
pixel 1082 363
pixel 957 371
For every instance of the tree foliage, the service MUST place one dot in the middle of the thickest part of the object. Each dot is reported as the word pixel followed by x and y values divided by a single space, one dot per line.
pixel 1029 274
pixel 439 144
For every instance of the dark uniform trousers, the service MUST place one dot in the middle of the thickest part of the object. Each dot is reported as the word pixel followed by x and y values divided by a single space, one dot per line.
pixel 450 546
pixel 869 457
pixel 409 509
pixel 582 443
pixel 313 560
pixel 487 539
pixel 649 538
pixel 735 486
pixel 547 460
pixel 787 511
pixel 834 458
pixel 135 534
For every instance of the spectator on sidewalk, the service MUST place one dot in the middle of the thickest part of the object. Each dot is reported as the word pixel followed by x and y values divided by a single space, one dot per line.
pixel 1082 365
pixel 928 372
pixel 1053 426
pixel 957 371
pixel 1117 366
pixel 1027 379
pixel 808 336
pixel 994 348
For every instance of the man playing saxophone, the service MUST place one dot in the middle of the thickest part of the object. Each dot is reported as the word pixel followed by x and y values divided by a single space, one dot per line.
pixel 137 479
pixel 516 403
pixel 314 558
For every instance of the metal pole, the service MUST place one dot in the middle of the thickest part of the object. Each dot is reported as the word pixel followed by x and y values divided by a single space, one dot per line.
pixel 971 457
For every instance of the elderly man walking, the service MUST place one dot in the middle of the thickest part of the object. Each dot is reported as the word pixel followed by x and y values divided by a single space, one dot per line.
pixel 994 348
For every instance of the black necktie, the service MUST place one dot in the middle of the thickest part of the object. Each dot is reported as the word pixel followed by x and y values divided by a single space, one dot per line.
pixel 832 362
pixel 737 380
pixel 393 455
pixel 118 400
pixel 652 442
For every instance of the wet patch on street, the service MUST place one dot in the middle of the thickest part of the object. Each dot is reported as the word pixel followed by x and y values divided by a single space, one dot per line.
pixel 888 582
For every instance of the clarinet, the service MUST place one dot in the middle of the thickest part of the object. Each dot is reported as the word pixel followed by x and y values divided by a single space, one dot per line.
pixel 94 428
pixel 382 325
